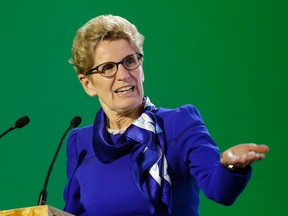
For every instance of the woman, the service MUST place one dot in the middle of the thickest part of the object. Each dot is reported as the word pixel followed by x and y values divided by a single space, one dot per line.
pixel 137 159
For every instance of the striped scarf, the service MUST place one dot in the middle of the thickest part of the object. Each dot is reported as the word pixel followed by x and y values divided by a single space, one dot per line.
pixel 145 140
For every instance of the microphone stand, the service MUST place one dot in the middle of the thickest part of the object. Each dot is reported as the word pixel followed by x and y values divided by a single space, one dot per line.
pixel 5 132
pixel 43 194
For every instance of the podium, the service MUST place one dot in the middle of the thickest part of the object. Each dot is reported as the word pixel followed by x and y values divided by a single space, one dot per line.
pixel 42 210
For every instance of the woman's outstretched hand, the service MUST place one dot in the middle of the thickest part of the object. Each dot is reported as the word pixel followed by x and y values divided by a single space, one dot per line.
pixel 241 155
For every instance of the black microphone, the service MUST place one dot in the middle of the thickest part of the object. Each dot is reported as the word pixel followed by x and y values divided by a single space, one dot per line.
pixel 43 194
pixel 18 124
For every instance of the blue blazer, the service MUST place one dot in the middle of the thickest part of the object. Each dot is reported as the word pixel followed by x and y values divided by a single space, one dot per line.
pixel 96 188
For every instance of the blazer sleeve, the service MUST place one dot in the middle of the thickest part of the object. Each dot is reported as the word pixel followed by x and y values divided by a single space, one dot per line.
pixel 202 156
pixel 72 189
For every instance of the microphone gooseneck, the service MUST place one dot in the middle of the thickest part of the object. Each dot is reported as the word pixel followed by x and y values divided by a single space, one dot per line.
pixel 43 194
pixel 23 121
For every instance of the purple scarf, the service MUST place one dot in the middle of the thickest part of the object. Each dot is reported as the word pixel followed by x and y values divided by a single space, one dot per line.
pixel 145 140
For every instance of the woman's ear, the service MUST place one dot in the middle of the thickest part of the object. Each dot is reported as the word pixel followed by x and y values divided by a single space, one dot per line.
pixel 142 77
pixel 87 85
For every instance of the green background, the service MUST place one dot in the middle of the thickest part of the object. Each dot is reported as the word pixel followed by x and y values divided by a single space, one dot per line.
pixel 228 58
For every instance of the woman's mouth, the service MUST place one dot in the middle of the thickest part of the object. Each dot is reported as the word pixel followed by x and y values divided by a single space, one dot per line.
pixel 125 90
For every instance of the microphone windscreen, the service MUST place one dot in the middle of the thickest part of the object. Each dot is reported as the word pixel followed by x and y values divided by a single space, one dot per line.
pixel 22 122
pixel 76 121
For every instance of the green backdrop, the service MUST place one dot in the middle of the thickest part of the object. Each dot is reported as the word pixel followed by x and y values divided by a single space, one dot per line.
pixel 228 58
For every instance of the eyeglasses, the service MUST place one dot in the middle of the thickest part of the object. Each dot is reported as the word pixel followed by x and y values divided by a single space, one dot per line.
pixel 109 69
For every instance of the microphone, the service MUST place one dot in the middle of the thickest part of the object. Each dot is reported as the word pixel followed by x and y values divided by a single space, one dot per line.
pixel 18 124
pixel 43 194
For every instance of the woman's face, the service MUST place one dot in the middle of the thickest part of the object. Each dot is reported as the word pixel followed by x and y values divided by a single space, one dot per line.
pixel 122 93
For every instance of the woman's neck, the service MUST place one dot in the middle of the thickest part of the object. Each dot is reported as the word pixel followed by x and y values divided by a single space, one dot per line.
pixel 123 120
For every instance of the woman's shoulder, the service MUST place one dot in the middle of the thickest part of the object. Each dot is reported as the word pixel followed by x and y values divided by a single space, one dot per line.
pixel 80 139
pixel 82 132
pixel 182 113
pixel 177 121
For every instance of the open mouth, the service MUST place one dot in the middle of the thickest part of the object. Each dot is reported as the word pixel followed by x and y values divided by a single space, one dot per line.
pixel 125 90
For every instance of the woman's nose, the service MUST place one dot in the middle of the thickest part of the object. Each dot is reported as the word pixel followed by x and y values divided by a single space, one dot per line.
pixel 122 73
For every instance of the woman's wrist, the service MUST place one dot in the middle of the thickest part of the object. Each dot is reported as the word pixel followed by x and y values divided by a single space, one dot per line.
pixel 230 167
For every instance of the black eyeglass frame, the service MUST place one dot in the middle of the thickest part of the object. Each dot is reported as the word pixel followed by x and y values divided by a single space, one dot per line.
pixel 95 69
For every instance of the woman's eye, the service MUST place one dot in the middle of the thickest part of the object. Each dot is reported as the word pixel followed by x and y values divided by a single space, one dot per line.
pixel 107 67
pixel 130 61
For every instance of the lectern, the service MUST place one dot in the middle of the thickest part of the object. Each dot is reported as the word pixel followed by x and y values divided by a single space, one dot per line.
pixel 42 210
